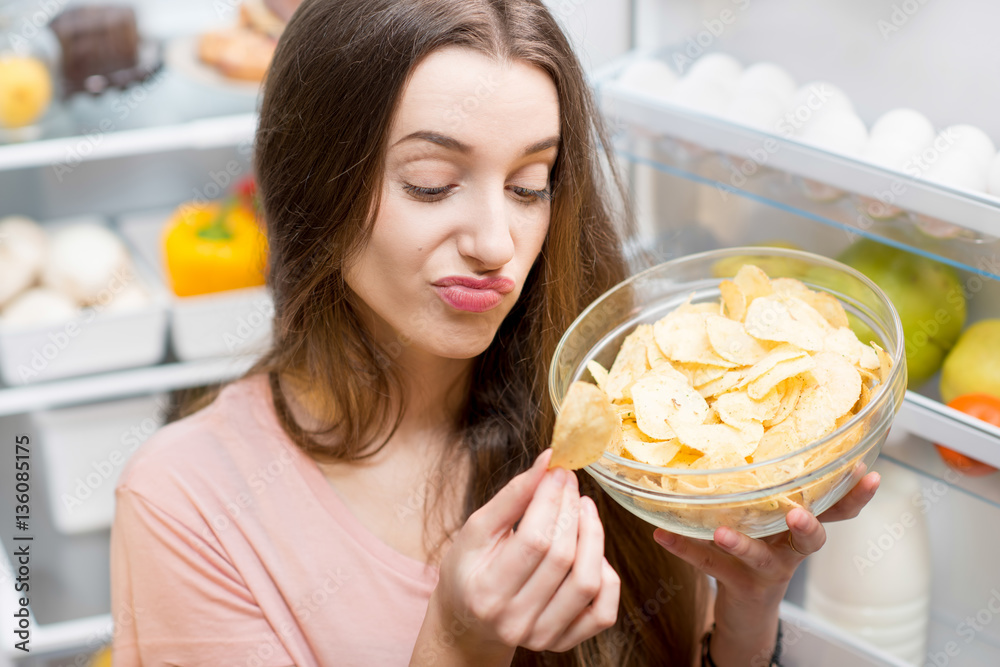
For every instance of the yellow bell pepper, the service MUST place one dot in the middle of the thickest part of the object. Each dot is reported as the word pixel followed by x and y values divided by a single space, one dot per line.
pixel 213 248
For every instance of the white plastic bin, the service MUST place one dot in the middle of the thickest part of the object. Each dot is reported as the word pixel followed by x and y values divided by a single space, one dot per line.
pixel 94 341
pixel 84 449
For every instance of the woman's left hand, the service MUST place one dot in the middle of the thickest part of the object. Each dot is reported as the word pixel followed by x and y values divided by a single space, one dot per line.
pixel 753 574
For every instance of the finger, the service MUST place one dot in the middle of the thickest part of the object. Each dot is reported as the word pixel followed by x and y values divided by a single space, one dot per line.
pixel 499 515
pixel 807 533
pixel 851 505
pixel 582 585
pixel 757 555
pixel 540 588
pixel 520 555
pixel 701 554
pixel 596 618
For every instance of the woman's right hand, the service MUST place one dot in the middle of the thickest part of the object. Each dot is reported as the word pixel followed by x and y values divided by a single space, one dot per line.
pixel 545 586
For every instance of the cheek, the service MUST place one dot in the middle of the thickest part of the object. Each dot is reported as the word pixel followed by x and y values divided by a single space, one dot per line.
pixel 531 234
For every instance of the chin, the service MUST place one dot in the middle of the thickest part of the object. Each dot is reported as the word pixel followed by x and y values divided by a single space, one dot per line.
pixel 462 342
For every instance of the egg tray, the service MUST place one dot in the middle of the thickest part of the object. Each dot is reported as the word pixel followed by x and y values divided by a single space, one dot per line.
pixel 934 210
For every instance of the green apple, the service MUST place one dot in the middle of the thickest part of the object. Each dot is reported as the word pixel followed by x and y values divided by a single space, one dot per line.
pixel 928 296
pixel 973 365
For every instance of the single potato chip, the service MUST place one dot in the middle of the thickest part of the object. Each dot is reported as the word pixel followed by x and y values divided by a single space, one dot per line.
pixel 841 379
pixel 717 440
pixel 657 453
pixel 753 282
pixel 630 363
pixel 586 424
pixel 682 337
pixel 771 318
pixel 731 341
pixel 734 300
pixel 790 390
pixel 663 400
pixel 599 373
pixel 761 386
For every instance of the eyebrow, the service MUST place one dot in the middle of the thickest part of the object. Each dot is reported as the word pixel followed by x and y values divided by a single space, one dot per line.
pixel 454 144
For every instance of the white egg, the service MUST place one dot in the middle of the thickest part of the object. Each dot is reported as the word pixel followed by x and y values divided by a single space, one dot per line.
pixel 957 169
pixel 967 139
pixel 650 76
pixel 716 66
pixel 767 77
pixel 814 100
pixel 837 131
pixel 904 126
pixel 39 306
pixel 993 178
pixel 896 137
pixel 701 95
pixel 84 260
pixel 759 109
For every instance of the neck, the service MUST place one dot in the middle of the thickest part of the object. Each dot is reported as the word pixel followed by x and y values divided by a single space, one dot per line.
pixel 434 391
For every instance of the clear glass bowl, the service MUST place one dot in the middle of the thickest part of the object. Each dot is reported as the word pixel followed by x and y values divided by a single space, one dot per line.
pixel 759 495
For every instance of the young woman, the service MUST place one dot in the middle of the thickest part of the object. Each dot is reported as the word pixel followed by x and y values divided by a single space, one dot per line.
pixel 374 491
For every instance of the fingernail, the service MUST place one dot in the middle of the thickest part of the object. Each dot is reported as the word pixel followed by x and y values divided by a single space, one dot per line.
pixel 665 539
pixel 558 477
pixel 588 506
pixel 727 540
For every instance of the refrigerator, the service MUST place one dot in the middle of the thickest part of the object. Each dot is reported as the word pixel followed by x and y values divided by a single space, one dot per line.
pixel 699 177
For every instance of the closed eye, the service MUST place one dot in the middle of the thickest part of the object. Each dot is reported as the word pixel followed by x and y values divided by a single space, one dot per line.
pixel 528 196
pixel 428 194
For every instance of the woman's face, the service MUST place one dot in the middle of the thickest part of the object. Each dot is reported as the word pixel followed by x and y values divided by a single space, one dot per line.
pixel 465 204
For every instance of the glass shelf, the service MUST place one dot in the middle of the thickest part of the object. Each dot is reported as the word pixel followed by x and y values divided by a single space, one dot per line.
pixel 170 111
pixel 782 191
pixel 919 455
pixel 963 227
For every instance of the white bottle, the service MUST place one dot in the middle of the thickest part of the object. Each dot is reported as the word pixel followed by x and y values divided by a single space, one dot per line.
pixel 873 576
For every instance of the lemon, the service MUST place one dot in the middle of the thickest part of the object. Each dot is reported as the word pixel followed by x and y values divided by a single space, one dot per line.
pixel 25 90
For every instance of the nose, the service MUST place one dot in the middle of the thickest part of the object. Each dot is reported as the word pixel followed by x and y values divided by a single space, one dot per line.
pixel 486 239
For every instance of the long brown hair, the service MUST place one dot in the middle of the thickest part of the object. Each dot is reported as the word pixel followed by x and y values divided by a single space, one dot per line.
pixel 330 95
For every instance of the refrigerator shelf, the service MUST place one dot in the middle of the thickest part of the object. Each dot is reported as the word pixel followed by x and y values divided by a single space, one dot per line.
pixel 67 152
pixel 780 190
pixel 120 384
pixel 955 217
pixel 915 452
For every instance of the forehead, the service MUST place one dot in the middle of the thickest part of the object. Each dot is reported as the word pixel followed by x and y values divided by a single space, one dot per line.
pixel 462 93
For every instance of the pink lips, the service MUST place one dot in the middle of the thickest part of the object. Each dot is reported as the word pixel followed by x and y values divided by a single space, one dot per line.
pixel 474 295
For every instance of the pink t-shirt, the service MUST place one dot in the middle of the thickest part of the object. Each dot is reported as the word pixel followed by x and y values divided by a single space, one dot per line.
pixel 229 547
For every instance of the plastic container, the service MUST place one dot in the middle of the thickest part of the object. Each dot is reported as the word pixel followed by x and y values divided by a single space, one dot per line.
pixel 205 326
pixel 84 449
pixel 873 576
pixel 814 477
pixel 95 341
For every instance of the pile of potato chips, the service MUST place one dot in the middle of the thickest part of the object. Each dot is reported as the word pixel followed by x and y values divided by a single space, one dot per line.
pixel 771 368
